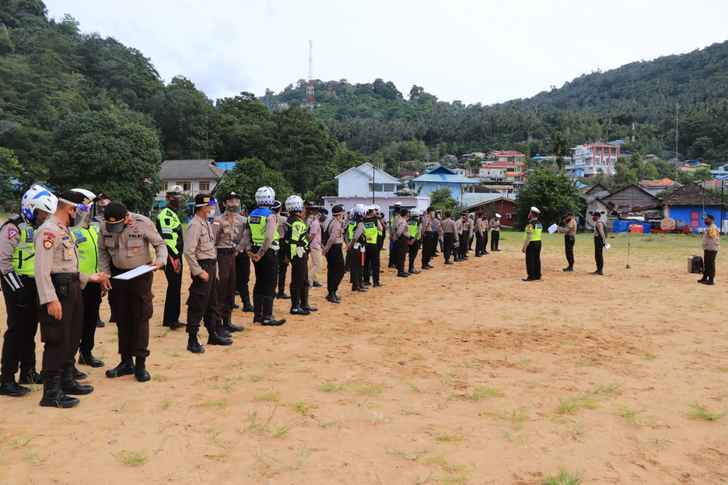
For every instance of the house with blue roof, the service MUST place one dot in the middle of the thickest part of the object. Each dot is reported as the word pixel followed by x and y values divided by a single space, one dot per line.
pixel 443 178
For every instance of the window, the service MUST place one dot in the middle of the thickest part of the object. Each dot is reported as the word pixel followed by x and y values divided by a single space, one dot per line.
pixel 186 186
pixel 204 186
pixel 382 187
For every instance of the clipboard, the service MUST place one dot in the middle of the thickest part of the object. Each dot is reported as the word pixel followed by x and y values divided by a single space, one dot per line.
pixel 134 273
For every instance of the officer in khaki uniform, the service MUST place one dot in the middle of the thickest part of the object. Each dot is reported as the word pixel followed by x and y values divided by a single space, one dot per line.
pixel 124 244
pixel 201 256
pixel 229 230
pixel 170 228
pixel 532 245
pixel 414 231
pixel 333 252
pixel 59 286
pixel 569 232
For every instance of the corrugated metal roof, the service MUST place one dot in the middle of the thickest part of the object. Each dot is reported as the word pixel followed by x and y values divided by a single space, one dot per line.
pixel 477 198
pixel 189 170
pixel 445 178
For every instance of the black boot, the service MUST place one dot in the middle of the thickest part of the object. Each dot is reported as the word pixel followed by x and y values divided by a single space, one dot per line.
pixel 257 309
pixel 78 375
pixel 215 338
pixel 247 307
pixel 140 370
pixel 304 301
pixel 268 319
pixel 71 386
pixel 53 396
pixel 221 330
pixel 230 326
pixel 125 368
pixel 10 388
pixel 331 298
pixel 192 344
pixel 30 377
pixel 87 358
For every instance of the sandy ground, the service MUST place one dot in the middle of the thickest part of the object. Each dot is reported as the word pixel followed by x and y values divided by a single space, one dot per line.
pixel 462 374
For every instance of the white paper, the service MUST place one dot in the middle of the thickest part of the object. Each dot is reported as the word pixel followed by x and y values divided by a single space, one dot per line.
pixel 607 246
pixel 553 228
pixel 133 273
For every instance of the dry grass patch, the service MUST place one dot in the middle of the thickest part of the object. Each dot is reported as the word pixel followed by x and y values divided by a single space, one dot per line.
pixel 132 458
pixel 700 412
pixel 563 478
pixel 271 396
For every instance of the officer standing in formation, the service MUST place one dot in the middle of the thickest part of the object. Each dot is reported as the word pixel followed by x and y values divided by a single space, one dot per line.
pixel 298 244
pixel 372 232
pixel 402 242
pixel 86 236
pixel 228 228
pixel 600 241
pixel 449 238
pixel 711 245
pixel 282 253
pixel 59 285
pixel 242 264
pixel 532 245
pixel 264 246
pixel 569 231
pixel 17 264
pixel 414 231
pixel 495 225
pixel 356 248
pixel 333 247
pixel 201 256
pixel 314 220
pixel 170 227
pixel 429 237
pixel 124 245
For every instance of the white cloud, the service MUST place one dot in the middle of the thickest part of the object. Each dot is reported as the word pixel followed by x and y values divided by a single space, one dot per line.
pixel 476 51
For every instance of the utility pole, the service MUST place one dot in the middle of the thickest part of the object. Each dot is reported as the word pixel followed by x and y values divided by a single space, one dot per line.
pixel 310 92
pixel 677 129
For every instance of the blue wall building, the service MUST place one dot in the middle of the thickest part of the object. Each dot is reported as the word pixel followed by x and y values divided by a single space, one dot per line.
pixel 442 177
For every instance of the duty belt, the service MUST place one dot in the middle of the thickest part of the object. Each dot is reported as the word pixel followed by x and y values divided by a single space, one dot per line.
pixel 225 250
pixel 64 277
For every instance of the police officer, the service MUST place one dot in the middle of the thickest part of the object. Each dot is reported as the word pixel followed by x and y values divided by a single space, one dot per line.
pixel 17 264
pixel 229 230
pixel 334 235
pixel 532 245
pixel 600 240
pixel 465 236
pixel 102 200
pixel 124 245
pixel 299 246
pixel 170 227
pixel 429 237
pixel 85 233
pixel 393 222
pixel 59 287
pixel 356 241
pixel 372 231
pixel 495 226
pixel 201 256
pixel 283 252
pixel 569 232
pixel 414 231
pixel 711 245
pixel 242 264
pixel 402 239
pixel 264 238
pixel 449 237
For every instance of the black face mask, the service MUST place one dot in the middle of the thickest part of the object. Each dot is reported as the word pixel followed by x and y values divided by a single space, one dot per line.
pixel 707 222
pixel 117 228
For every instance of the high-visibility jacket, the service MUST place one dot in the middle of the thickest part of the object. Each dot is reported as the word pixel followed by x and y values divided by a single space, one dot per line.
pixel 24 253
pixel 87 240
pixel 169 223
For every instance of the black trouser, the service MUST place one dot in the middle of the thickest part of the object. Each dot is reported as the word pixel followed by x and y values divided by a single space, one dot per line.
pixel 132 304
pixel 533 260
pixel 413 249
pixel 242 276
pixel 401 252
pixel 282 267
pixel 392 253
pixel 225 286
pixel 448 244
pixel 569 242
pixel 478 244
pixel 464 244
pixel 599 252
pixel 19 341
pixel 334 268
pixel 709 264
pixel 201 300
pixel 172 303
pixel 371 268
pixel 429 240
pixel 494 240
pixel 299 280
pixel 266 270
pixel 56 335
pixel 355 260
pixel 91 303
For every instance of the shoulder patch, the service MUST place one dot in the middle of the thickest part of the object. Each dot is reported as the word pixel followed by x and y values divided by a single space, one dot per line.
pixel 12 232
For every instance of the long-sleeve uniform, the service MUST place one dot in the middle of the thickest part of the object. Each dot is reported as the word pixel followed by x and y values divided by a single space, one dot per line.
pixel 372 230
pixel 600 239
pixel 316 254
pixel 132 299
pixel 495 226
pixel 201 256
pixel 242 267
pixel 264 237
pixel 57 278
pixel 414 231
pixel 170 227
pixel 402 238
pixel 356 251
pixel 711 245
pixel 298 243
pixel 334 256
pixel 17 265
pixel 569 232
pixel 228 228
pixel 429 239
pixel 449 238
pixel 532 242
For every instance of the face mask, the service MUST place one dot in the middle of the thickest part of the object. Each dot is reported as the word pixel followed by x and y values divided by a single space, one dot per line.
pixel 116 228
pixel 233 208
pixel 82 215
pixel 174 203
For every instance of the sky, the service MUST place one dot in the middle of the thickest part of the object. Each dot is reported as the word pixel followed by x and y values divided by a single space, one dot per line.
pixel 478 51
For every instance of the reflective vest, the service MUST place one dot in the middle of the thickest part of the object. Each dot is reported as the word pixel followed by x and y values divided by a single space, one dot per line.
pixel 24 253
pixel 258 222
pixel 170 223
pixel 88 250
pixel 412 227
pixel 350 230
pixel 535 228
pixel 299 237
pixel 370 232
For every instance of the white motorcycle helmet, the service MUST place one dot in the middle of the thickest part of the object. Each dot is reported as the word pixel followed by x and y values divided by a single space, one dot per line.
pixel 40 198
pixel 83 210
pixel 294 203
pixel 265 196
pixel 360 210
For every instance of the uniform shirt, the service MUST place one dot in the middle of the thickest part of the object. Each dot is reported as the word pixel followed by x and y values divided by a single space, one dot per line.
pixel 570 229
pixel 598 230
pixel 245 243
pixel 314 233
pixel 495 224
pixel 358 233
pixel 229 230
pixel 199 244
pixel 401 227
pixel 458 226
pixel 336 234
pixel 271 226
pixel 130 248
pixel 9 240
pixel 437 226
pixel 427 223
pixel 55 252
pixel 711 238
